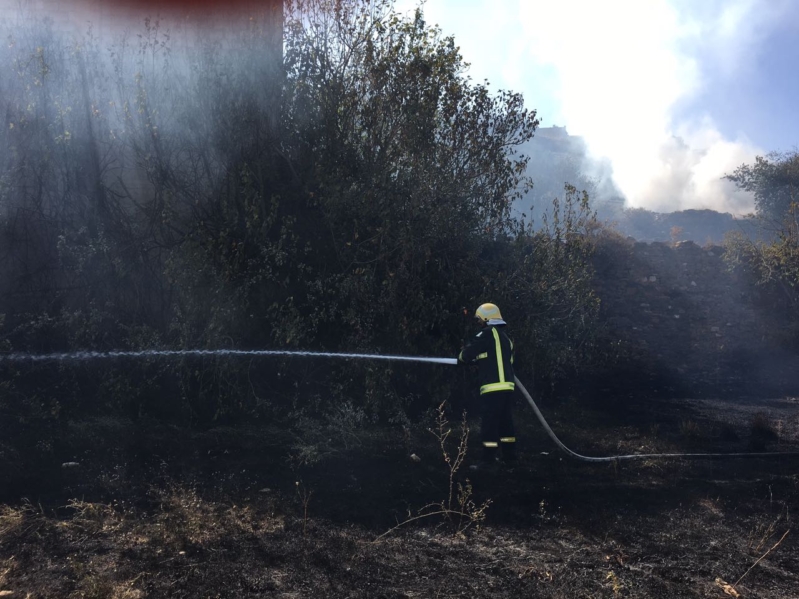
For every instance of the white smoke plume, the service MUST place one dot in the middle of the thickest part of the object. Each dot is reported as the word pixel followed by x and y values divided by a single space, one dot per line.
pixel 620 73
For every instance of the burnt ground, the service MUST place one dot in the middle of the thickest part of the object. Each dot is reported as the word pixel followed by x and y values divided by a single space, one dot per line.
pixel 259 511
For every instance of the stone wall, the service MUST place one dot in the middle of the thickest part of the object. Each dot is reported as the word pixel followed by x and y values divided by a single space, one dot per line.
pixel 690 325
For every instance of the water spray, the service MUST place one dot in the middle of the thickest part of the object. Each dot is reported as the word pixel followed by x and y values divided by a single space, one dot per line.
pixel 181 353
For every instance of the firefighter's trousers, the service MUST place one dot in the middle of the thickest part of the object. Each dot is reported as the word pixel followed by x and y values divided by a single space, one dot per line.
pixel 497 425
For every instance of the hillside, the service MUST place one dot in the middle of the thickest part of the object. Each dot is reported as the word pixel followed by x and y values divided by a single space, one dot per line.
pixel 685 316
pixel 704 227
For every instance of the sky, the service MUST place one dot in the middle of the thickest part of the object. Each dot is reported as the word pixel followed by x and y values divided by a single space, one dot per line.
pixel 674 93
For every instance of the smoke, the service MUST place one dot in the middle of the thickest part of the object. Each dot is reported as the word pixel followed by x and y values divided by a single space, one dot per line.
pixel 631 78
pixel 624 68
pixel 687 173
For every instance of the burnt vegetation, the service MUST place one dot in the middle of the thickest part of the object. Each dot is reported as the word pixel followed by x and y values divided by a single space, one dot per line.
pixel 348 189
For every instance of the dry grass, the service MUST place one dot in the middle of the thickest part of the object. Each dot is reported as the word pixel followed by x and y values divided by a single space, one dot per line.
pixel 238 525
pixel 20 522
pixel 10 520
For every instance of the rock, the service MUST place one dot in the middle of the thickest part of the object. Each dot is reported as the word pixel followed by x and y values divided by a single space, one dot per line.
pixel 714 329
pixel 416 458
pixel 693 283
pixel 69 465
pixel 652 278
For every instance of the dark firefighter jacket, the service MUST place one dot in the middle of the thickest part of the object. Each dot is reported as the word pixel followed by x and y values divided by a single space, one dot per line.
pixel 492 351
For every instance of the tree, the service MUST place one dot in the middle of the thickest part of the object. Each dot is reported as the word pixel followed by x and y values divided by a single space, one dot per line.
pixel 411 168
pixel 361 218
pixel 774 181
pixel 772 264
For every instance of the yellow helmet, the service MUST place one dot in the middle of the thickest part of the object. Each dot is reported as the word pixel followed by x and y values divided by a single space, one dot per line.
pixel 488 312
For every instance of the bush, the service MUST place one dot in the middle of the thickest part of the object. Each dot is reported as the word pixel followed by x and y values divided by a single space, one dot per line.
pixel 773 268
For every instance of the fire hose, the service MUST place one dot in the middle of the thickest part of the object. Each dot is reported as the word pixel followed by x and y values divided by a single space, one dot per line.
pixel 93 355
pixel 637 456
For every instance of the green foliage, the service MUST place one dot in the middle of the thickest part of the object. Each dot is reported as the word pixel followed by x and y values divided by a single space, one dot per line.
pixel 774 181
pixel 774 267
pixel 774 263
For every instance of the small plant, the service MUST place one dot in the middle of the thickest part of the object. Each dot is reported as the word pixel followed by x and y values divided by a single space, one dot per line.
pixel 615 584
pixel 318 438
pixel 760 559
pixel 761 535
pixel 346 424
pixel 764 531
pixel 304 495
pixel 305 454
pixel 459 507
pixel 690 429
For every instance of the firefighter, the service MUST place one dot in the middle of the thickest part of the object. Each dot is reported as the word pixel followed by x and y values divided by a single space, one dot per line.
pixel 492 351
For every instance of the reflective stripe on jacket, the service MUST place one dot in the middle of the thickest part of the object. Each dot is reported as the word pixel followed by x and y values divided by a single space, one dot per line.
pixel 492 351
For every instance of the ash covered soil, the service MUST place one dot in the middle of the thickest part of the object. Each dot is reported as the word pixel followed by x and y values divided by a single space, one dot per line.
pixel 256 511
